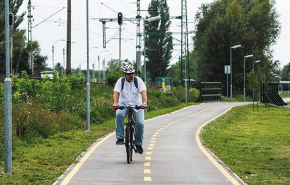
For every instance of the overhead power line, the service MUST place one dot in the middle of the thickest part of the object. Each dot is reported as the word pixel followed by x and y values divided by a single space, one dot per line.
pixel 48 17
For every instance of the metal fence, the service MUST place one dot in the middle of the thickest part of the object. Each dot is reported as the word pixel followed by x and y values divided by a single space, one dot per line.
pixel 210 91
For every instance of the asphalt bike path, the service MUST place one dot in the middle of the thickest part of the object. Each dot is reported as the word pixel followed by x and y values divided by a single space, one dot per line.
pixel 173 154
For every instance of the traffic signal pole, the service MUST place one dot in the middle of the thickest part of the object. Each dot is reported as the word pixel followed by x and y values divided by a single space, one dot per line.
pixel 120 46
pixel 120 22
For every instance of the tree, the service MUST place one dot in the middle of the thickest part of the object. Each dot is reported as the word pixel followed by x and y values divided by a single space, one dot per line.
pixel 158 39
pixel 286 72
pixel 174 71
pixel 14 6
pixel 225 23
pixel 114 64
pixel 59 68
pixel 20 50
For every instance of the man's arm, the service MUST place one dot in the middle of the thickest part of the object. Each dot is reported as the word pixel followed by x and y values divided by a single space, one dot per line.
pixel 116 98
pixel 144 99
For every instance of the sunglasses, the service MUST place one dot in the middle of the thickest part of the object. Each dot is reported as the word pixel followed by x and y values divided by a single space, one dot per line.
pixel 129 74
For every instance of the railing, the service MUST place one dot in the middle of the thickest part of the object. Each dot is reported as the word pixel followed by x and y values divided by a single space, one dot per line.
pixel 210 91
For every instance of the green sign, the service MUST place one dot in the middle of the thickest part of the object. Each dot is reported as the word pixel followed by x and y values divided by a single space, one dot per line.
pixel 167 80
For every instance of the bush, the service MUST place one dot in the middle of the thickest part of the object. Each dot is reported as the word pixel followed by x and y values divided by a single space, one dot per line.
pixel 179 92
pixel 158 99
pixel 192 95
pixel 42 109
pixel 113 76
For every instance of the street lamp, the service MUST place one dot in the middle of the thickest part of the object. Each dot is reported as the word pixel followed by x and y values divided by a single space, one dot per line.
pixel 233 47
pixel 255 63
pixel 254 71
pixel 248 56
pixel 93 73
pixel 104 65
pixel 99 66
pixel 53 52
pixel 144 37
pixel 88 125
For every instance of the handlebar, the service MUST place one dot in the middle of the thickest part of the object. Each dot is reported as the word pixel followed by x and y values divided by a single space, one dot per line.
pixel 136 107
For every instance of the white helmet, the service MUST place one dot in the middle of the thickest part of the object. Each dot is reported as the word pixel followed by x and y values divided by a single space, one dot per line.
pixel 128 69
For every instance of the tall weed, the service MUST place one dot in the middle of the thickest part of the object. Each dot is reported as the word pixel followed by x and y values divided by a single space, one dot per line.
pixel 1 94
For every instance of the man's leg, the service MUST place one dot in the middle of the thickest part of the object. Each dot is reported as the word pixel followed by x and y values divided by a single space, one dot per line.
pixel 139 120
pixel 120 114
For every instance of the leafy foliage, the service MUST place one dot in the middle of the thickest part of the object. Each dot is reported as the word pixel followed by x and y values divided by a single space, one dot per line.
pixel 113 76
pixel 42 109
pixel 158 39
pixel 225 23
pixel 20 50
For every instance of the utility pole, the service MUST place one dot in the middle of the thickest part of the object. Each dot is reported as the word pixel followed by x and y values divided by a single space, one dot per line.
pixel 29 37
pixel 138 40
pixel 184 40
pixel 68 40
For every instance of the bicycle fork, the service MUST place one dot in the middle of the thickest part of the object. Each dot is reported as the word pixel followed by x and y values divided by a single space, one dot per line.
pixel 129 141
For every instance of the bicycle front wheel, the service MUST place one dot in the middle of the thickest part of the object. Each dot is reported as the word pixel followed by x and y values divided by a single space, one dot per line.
pixel 128 144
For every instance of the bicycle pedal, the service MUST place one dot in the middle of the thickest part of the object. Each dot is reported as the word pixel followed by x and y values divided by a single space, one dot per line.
pixel 134 148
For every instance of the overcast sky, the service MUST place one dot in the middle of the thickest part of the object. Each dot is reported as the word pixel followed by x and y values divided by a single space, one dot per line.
pixel 52 30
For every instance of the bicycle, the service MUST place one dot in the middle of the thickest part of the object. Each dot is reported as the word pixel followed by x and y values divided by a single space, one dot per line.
pixel 130 133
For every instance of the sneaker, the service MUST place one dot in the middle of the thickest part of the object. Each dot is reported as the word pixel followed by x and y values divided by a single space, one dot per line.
pixel 139 149
pixel 120 142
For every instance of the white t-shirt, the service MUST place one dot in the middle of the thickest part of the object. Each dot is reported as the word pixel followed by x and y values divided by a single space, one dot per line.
pixel 130 95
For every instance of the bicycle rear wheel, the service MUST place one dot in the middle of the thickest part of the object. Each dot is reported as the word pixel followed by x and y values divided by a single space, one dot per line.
pixel 128 144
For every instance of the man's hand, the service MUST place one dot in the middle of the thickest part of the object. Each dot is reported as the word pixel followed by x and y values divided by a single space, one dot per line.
pixel 115 106
pixel 143 105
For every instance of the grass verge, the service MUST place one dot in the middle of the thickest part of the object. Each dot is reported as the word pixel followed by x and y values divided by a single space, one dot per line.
pixel 253 144
pixel 43 161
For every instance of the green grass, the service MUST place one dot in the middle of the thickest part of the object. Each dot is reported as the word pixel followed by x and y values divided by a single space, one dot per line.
pixel 253 144
pixel 43 161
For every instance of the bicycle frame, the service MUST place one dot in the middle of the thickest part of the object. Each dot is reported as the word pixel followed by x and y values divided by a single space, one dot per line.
pixel 130 136
pixel 130 133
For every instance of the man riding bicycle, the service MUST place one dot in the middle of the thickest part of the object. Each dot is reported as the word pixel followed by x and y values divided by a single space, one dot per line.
pixel 130 91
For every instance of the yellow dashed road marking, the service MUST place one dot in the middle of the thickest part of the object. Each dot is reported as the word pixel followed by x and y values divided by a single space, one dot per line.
pixel 147 179
pixel 147 158
pixel 147 171
pixel 147 164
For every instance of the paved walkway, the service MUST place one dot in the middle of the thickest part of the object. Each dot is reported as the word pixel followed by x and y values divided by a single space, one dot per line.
pixel 173 154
